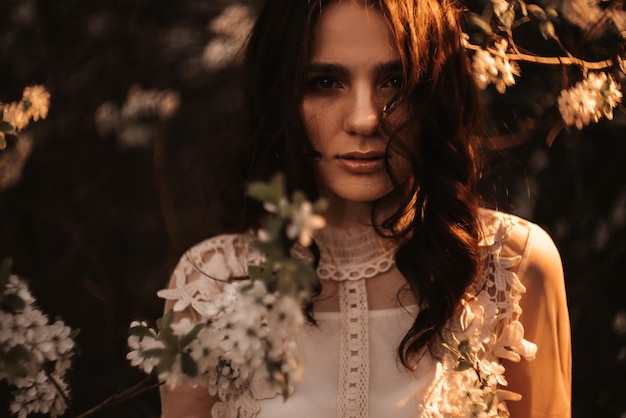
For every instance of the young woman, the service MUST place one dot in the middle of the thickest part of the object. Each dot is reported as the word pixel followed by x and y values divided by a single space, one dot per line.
pixel 371 104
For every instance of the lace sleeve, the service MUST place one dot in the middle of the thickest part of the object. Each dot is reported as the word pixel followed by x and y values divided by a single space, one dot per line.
pixel 203 270
pixel 471 377
pixel 199 278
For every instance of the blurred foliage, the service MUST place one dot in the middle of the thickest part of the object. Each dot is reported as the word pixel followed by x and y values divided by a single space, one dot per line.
pixel 96 224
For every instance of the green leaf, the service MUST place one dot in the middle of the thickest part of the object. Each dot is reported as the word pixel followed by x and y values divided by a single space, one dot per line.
pixel 463 365
pixel 320 206
pixel 507 18
pixel 154 352
pixel 298 198
pixel 165 321
pixel 191 335
pixel 307 276
pixel 489 398
pixel 13 302
pixel 255 272
pixel 17 353
pixel 15 369
pixel 166 360
pixel 465 348
pixel 479 23
pixel 167 337
pixel 188 366
pixel 270 192
pixel 140 331
pixel 14 360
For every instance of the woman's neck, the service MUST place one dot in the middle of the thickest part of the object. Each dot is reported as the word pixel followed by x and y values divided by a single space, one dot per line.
pixel 343 213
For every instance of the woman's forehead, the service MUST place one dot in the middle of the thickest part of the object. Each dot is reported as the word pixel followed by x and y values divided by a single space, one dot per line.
pixel 351 29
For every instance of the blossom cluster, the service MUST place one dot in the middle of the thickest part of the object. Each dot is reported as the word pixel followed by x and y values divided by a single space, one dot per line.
pixel 248 329
pixel 129 121
pixel 494 68
pixel 17 115
pixel 34 354
pixel 495 54
pixel 477 373
pixel 589 100
pixel 478 380
pixel 231 28
pixel 245 330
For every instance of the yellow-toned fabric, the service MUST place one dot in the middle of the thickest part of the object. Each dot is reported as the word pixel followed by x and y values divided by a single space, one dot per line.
pixel 516 314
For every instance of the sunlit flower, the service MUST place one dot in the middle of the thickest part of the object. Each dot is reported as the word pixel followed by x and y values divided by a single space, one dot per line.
pixel 494 68
pixel 34 105
pixel 589 100
pixel 37 100
pixel 304 222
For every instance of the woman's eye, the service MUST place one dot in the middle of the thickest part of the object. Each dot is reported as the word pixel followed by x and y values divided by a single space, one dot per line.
pixel 394 82
pixel 324 83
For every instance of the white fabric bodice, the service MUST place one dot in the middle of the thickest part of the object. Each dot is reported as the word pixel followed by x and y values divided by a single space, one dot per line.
pixel 391 387
pixel 350 365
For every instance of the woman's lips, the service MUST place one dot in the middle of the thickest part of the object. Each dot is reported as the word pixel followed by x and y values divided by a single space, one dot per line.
pixel 362 162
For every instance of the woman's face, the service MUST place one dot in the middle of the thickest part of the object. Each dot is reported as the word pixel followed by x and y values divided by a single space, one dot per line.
pixel 354 71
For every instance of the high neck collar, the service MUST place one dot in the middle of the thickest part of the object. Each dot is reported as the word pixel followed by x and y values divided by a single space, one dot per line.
pixel 353 253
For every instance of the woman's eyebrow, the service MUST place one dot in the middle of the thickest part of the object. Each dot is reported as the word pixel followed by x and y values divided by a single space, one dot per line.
pixel 327 68
pixel 338 69
pixel 389 67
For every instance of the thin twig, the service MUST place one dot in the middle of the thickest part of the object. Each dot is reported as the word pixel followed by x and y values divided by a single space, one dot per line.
pixel 59 389
pixel 122 396
pixel 570 60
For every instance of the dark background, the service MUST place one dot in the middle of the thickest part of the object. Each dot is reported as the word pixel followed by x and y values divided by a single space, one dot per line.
pixel 96 225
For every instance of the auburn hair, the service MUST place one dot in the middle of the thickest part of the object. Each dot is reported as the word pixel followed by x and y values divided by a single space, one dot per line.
pixel 438 254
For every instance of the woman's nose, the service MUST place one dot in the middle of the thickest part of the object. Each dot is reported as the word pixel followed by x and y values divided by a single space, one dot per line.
pixel 363 113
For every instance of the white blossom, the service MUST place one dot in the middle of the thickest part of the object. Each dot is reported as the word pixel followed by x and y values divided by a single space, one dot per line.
pixel 589 100
pixel 245 328
pixel 500 6
pixel 128 122
pixel 303 223
pixel 25 329
pixel 33 105
pixel 494 68
pixel 248 329
pixel 231 28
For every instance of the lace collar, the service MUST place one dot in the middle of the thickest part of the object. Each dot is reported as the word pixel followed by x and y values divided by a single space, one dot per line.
pixel 351 253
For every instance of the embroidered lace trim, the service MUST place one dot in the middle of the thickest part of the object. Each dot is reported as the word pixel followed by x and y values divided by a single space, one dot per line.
pixel 490 320
pixel 354 376
pixel 351 254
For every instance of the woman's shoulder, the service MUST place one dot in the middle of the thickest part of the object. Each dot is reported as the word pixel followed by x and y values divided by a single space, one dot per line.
pixel 204 269
pixel 222 256
pixel 526 241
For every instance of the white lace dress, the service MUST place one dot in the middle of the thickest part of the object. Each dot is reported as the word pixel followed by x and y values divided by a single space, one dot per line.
pixel 350 362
